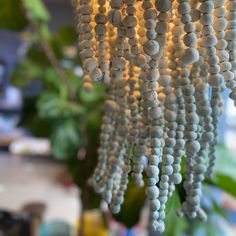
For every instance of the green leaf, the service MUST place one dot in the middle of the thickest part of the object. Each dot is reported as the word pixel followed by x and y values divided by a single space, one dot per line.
pixel 225 168
pixel 180 224
pixel 133 204
pixel 226 183
pixel 52 106
pixel 225 162
pixel 11 15
pixel 65 139
pixel 95 95
pixel 37 10
pixel 66 36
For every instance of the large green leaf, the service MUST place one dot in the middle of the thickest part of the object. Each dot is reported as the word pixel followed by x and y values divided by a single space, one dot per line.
pixel 39 17
pixel 66 36
pixel 52 106
pixel 133 204
pixel 174 224
pixel 65 139
pixel 11 15
pixel 225 170
pixel 37 10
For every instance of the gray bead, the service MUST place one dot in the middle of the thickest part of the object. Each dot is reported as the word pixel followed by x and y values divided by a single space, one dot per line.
pixel 168 159
pixel 154 204
pixel 152 192
pixel 154 160
pixel 151 181
pixel 154 215
pixel 152 171
pixel 168 170
pixel 176 178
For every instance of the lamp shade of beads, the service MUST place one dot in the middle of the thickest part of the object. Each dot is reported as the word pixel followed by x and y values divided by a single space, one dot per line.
pixel 166 63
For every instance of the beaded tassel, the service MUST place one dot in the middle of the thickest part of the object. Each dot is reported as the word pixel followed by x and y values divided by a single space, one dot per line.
pixel 166 63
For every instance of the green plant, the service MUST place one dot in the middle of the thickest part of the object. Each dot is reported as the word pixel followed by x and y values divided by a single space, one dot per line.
pixel 71 117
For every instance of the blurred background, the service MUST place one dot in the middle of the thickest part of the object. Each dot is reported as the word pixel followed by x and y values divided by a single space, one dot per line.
pixel 49 133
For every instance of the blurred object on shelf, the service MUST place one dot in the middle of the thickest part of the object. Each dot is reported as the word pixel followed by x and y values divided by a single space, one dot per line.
pixel 7 136
pixel 30 146
pixel 10 101
pixel 34 209
pixel 56 228
pixel 13 224
pixel 94 224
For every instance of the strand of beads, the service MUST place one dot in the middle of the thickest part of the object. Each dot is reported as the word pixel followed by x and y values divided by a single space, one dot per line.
pixel 107 131
pixel 201 98
pixel 101 20
pixel 130 122
pixel 167 157
pixel 220 24
pixel 190 131
pixel 230 36
pixel 84 26
pixel 139 60
pixel 190 55
pixel 117 150
pixel 163 7
pixel 174 47
pixel 204 137
pixel 140 149
pixel 224 67
pixel 122 178
pixel 135 125
pixel 215 79
pixel 151 49
pixel 87 54
pixel 116 73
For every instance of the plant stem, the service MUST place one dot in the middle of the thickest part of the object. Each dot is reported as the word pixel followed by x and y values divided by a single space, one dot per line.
pixel 48 51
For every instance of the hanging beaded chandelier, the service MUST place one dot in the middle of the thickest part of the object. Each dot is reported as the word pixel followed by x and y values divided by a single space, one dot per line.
pixel 166 63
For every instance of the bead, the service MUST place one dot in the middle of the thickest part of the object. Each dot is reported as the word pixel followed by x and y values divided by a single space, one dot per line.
pixel 190 56
pixel 170 115
pixel 184 8
pixel 168 170
pixel 163 5
pixel 101 18
pixel 154 204
pixel 114 17
pixel 151 47
pixel 96 74
pixel 215 80
pixel 206 7
pixel 116 3
pixel 168 160
pixel 192 147
pixel 190 39
pixel 115 208
pixel 152 192
pixel 189 27
pixel 152 171
pixel 90 64
pixel 220 24
pixel 176 178
pixel 155 113
pixel 130 21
